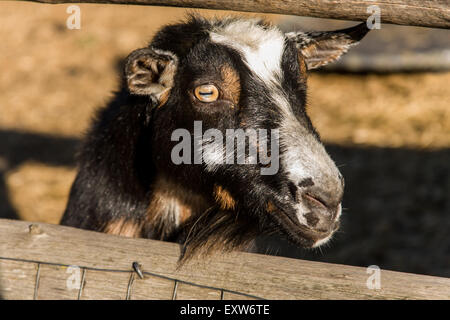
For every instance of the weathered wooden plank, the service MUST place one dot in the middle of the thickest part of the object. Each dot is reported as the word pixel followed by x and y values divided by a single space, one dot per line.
pixel 425 13
pixel 186 291
pixel 17 280
pixel 105 285
pixel 152 287
pixel 235 296
pixel 52 284
pixel 252 274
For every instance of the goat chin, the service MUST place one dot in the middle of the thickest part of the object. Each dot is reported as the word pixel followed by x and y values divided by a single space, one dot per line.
pixel 216 230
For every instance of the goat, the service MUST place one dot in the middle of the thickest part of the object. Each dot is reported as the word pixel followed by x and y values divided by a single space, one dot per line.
pixel 227 73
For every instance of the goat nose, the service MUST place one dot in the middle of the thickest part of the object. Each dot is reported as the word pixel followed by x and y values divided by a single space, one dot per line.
pixel 325 190
pixel 320 202
pixel 317 196
pixel 323 214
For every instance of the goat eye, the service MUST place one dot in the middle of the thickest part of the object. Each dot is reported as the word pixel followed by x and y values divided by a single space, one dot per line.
pixel 206 93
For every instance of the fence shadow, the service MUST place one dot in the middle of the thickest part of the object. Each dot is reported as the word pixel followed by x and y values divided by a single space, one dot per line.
pixel 397 203
pixel 16 147
pixel 397 209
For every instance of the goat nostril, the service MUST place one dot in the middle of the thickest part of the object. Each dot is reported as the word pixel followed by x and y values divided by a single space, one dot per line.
pixel 315 200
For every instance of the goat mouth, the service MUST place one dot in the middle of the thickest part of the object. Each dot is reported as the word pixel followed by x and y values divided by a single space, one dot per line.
pixel 298 233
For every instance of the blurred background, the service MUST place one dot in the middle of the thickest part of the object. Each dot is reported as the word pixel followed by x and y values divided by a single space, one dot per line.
pixel 383 112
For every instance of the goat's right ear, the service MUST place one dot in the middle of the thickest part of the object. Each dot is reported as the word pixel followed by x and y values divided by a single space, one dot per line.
pixel 151 72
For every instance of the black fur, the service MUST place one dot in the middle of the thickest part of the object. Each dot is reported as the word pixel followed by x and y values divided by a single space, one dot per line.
pixel 115 166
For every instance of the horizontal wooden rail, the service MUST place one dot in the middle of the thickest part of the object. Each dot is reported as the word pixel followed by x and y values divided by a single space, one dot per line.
pixel 425 13
pixel 35 262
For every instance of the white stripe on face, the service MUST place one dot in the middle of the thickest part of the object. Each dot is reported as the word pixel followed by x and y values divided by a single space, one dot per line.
pixel 262 48
pixel 302 155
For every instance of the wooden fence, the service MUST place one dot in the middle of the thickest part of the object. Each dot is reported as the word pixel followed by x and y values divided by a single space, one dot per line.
pixel 40 261
pixel 425 13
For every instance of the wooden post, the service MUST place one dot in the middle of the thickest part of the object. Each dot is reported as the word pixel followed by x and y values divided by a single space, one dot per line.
pixel 425 13
pixel 36 260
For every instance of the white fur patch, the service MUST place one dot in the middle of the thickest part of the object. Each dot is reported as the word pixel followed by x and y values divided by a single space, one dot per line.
pixel 262 48
pixel 301 212
pixel 213 155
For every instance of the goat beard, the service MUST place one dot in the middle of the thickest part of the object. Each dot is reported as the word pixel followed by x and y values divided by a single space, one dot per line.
pixel 217 230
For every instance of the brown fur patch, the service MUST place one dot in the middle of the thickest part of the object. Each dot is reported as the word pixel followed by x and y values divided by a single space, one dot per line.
pixel 170 206
pixel 223 198
pixel 270 207
pixel 124 227
pixel 162 99
pixel 303 68
pixel 231 84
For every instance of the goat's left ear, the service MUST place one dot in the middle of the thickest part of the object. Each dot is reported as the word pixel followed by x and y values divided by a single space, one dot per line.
pixel 321 48
pixel 150 71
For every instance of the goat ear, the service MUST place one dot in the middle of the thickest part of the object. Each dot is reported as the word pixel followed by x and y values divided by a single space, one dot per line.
pixel 321 48
pixel 151 72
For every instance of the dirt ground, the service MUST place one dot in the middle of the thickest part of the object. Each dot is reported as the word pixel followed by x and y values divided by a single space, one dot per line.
pixel 389 133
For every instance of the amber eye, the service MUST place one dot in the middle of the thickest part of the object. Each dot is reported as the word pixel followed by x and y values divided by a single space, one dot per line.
pixel 206 93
